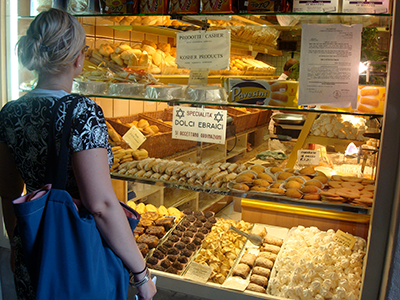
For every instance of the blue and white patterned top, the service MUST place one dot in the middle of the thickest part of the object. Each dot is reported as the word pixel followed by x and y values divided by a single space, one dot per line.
pixel 24 127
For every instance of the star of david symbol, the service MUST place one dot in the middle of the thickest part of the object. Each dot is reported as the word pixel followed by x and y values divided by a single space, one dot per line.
pixel 180 113
pixel 218 117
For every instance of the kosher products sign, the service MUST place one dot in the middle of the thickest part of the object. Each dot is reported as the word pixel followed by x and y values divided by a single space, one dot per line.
pixel 203 49
pixel 199 124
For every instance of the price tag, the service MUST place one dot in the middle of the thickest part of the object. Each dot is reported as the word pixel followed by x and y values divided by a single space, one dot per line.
pixel 198 272
pixel 308 157
pixel 134 138
pixel 198 77
pixel 344 239
pixel 235 283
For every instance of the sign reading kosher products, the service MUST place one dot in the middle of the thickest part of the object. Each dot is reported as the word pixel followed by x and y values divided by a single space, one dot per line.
pixel 203 49
pixel 199 124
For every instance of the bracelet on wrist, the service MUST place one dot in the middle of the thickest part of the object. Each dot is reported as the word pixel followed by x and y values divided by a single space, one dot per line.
pixel 141 282
pixel 145 268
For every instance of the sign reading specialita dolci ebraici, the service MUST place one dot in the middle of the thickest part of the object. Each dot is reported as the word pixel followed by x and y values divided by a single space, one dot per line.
pixel 203 49
pixel 199 124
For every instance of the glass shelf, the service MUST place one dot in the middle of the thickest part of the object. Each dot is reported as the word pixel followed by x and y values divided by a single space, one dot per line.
pixel 256 196
pixel 215 15
pixel 268 18
pixel 228 104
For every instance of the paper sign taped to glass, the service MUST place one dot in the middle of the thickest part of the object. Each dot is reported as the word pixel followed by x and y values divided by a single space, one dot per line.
pixel 329 64
pixel 203 49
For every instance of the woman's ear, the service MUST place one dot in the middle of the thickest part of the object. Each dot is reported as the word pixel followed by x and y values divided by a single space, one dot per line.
pixel 79 60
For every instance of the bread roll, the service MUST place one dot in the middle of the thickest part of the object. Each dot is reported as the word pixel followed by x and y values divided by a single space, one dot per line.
pixel 264 262
pixel 133 61
pixel 271 248
pixel 114 136
pixel 105 50
pixel 165 47
pixel 117 59
pixel 259 280
pixel 121 48
pixel 241 186
pixel 255 288
pixel 150 43
pixel 142 123
pixel 312 197
pixel 154 128
pixel 261 182
pixel 147 130
pixel 244 178
pixel 273 240
pixel 144 59
pixel 269 255
pixel 261 271
pixel 158 57
pixel 248 259
pixel 241 270
pixel 149 49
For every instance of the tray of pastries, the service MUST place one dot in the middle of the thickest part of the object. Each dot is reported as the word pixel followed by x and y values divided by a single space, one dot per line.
pixel 176 251
pixel 155 224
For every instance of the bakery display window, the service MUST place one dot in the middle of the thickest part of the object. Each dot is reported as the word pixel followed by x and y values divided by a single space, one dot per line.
pixel 307 180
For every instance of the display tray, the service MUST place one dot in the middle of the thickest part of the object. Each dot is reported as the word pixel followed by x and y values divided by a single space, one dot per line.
pixel 171 184
pixel 289 119
pixel 177 249
pixel 284 199
pixel 236 282
pixel 330 262
pixel 220 249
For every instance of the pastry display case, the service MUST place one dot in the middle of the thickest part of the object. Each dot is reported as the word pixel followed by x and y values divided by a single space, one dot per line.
pixel 320 191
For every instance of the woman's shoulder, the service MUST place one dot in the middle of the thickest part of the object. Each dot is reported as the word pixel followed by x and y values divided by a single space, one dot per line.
pixel 85 104
pixel 25 102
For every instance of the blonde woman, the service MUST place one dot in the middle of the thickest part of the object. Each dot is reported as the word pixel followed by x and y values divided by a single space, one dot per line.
pixel 54 47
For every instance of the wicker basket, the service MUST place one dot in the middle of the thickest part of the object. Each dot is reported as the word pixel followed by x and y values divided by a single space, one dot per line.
pixel 264 115
pixel 242 120
pixel 160 115
pixel 159 145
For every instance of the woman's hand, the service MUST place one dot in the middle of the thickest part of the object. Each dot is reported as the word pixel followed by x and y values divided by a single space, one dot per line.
pixel 147 290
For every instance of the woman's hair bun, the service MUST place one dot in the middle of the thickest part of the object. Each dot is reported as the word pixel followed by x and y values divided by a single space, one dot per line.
pixel 52 42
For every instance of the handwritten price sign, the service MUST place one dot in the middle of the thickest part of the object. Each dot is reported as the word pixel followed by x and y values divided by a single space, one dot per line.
pixel 344 239
pixel 308 157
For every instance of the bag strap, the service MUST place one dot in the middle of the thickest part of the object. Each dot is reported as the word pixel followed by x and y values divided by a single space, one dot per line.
pixel 56 167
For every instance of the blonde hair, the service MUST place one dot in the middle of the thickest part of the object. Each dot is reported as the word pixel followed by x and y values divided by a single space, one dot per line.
pixel 52 42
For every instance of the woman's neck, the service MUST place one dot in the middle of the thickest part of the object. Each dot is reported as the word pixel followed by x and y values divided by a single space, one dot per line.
pixel 61 81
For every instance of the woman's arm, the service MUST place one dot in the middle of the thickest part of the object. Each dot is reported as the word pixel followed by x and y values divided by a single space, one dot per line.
pixel 92 174
pixel 11 187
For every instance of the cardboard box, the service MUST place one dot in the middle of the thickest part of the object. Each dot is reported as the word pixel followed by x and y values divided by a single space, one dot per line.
pixel 262 92
pixel 366 6
pixel 370 100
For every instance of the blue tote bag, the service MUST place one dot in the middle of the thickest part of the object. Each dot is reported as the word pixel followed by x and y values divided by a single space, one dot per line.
pixel 64 252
